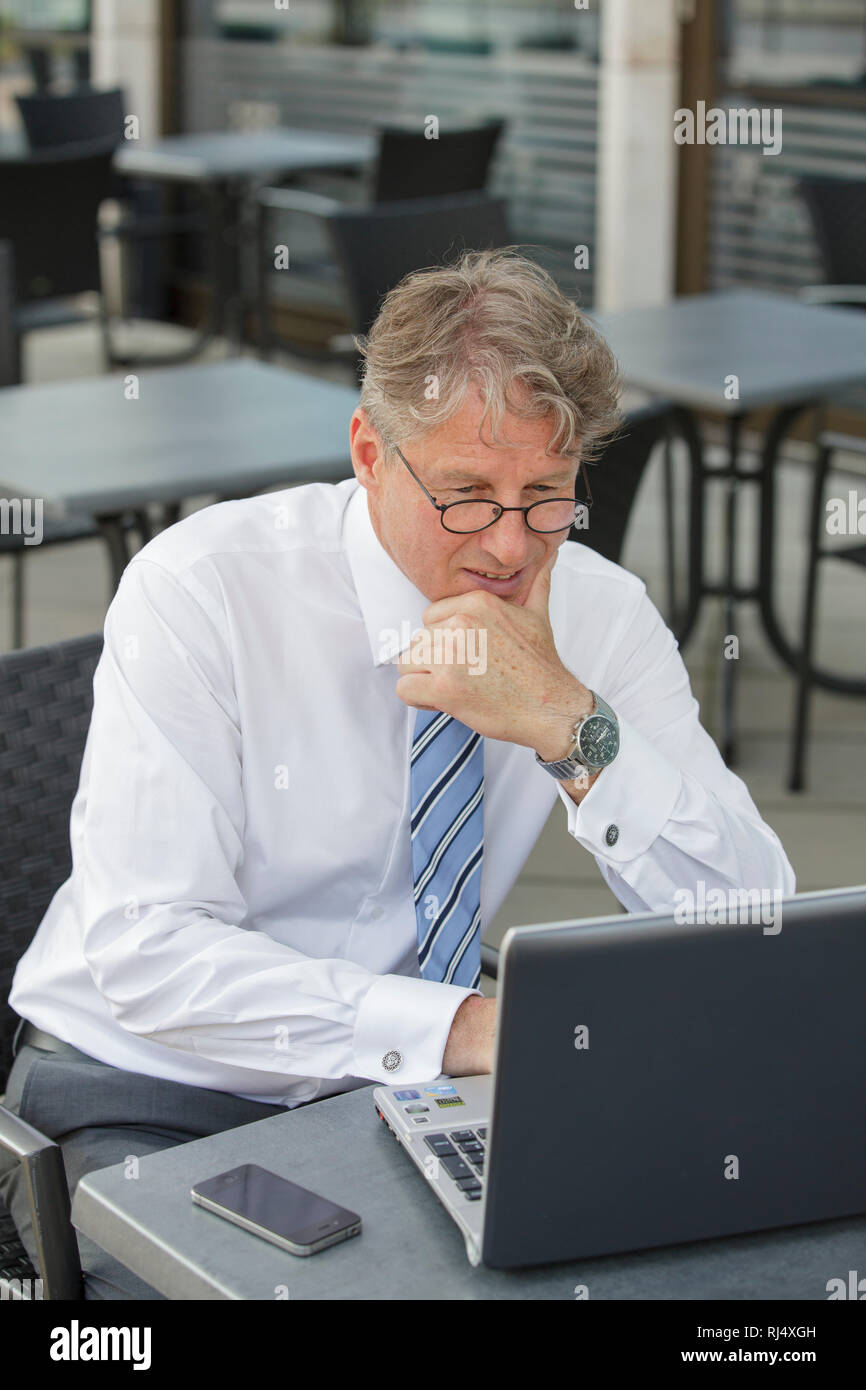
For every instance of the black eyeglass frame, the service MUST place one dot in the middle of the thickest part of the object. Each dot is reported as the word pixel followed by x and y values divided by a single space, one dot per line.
pixel 443 507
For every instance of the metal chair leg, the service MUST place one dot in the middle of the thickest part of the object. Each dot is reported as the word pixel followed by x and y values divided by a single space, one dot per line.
pixel 18 599
pixel 670 540
pixel 726 730
pixel 262 264
pixel 143 524
pixel 685 428
pixel 110 525
pixel 110 356
pixel 800 734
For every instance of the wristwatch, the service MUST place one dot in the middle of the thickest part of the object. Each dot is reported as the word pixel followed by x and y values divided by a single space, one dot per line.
pixel 595 745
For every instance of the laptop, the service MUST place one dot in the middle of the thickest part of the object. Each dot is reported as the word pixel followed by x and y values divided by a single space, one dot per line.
pixel 656 1082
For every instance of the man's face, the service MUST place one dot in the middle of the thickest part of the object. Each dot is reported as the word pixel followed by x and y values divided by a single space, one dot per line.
pixel 454 464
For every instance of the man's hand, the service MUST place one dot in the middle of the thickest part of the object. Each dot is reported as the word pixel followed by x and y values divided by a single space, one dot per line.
pixel 469 1050
pixel 522 694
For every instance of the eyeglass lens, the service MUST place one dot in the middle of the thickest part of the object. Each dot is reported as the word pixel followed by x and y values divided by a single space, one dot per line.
pixel 555 514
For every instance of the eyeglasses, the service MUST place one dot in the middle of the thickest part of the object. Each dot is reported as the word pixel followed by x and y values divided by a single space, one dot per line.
pixel 550 514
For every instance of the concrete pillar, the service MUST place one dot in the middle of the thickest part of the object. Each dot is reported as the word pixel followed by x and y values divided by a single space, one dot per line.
pixel 125 53
pixel 637 156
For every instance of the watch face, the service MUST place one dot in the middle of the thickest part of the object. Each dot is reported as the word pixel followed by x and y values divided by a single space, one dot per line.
pixel 599 740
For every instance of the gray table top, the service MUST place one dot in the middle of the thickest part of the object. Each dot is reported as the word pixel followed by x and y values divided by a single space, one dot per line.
pixel 233 426
pixel 781 350
pixel 409 1247
pixel 228 154
pixel 215 155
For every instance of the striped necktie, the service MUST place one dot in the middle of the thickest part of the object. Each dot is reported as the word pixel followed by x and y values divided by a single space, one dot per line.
pixel 447 824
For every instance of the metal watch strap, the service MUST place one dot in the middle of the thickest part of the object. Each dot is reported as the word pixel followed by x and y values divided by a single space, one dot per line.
pixel 564 769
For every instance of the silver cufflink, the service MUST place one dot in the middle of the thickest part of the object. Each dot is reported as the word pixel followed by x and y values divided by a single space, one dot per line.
pixel 392 1060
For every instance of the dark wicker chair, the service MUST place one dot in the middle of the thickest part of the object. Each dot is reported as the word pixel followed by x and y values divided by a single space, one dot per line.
pixel 46 699
pixel 616 476
pixel 375 246
pixel 411 166
pixel 829 445
pixel 837 208
pixel 52 120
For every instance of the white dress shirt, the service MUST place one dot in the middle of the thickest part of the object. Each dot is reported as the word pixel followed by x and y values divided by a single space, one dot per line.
pixel 240 910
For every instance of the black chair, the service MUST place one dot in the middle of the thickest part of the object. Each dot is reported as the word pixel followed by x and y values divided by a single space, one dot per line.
pixel 72 118
pixel 48 211
pixel 411 166
pixel 829 444
pixel 9 366
pixel 614 478
pixel 375 246
pixel 75 118
pixel 408 167
pixel 46 700
pixel 88 114
pixel 837 208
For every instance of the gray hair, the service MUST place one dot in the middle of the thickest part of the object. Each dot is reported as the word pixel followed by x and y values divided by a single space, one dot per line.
pixel 497 321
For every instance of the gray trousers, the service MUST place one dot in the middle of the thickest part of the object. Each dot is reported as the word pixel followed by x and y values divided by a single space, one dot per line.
pixel 100 1114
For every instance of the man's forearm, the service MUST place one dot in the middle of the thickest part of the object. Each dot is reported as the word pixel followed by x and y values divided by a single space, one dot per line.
pixel 469 1049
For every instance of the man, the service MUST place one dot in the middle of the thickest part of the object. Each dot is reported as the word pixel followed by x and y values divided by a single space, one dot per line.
pixel 285 848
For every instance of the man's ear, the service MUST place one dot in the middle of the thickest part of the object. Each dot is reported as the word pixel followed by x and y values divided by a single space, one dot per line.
pixel 366 449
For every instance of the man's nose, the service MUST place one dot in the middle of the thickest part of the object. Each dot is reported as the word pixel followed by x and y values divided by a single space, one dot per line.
pixel 509 540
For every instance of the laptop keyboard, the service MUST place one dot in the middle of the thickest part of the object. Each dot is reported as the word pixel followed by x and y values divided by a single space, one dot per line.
pixel 461 1155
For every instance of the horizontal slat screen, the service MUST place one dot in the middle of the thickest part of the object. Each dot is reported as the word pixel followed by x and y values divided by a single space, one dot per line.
pixel 546 163
pixel 761 234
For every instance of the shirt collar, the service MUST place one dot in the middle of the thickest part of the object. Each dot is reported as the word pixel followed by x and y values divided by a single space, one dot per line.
pixel 391 607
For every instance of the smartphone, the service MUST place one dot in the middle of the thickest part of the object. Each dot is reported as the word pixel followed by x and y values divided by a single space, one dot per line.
pixel 290 1216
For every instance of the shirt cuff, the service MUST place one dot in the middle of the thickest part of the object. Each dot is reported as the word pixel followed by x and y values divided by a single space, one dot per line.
pixel 407 1020
pixel 629 803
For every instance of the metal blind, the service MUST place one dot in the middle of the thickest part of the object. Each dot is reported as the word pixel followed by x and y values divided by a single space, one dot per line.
pixel 761 234
pixel 546 163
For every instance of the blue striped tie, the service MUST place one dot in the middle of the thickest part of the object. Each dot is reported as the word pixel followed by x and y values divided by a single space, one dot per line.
pixel 447 785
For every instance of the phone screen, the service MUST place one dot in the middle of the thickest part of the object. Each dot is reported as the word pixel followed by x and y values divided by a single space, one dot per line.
pixel 276 1204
